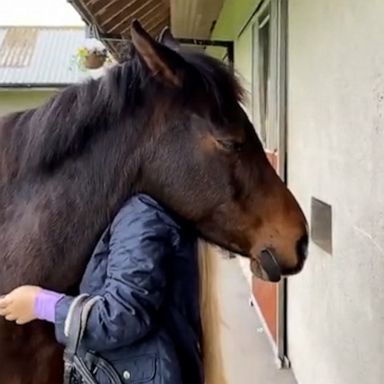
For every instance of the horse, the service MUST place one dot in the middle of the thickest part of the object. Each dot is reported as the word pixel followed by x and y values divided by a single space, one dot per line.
pixel 167 122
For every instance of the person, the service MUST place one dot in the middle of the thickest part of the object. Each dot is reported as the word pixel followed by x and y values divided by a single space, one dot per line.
pixel 147 323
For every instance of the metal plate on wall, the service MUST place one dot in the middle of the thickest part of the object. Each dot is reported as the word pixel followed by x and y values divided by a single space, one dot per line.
pixel 321 224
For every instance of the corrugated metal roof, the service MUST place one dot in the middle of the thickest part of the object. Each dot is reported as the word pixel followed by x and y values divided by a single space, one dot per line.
pixel 17 47
pixel 47 59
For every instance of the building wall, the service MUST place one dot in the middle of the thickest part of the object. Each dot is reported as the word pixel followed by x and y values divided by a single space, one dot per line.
pixel 18 100
pixel 232 25
pixel 335 153
pixel 233 16
pixel 243 63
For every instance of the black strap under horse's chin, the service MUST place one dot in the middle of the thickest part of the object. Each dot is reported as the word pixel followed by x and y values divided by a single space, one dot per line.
pixel 73 353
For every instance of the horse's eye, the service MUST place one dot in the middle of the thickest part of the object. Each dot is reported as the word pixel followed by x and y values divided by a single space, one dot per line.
pixel 231 145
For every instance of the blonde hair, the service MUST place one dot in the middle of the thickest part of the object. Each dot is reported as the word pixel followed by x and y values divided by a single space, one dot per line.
pixel 210 315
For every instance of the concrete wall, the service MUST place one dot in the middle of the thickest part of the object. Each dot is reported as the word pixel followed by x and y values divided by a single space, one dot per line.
pixel 17 100
pixel 335 153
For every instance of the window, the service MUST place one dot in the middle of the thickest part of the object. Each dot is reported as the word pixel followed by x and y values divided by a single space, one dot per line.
pixel 264 72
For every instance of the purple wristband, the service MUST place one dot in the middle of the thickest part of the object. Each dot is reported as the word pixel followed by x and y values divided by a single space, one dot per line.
pixel 45 304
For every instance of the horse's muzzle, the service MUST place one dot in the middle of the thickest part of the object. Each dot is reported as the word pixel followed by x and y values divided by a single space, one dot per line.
pixel 268 268
pixel 302 253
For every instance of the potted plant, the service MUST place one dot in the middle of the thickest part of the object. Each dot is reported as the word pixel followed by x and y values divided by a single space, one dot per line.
pixel 91 58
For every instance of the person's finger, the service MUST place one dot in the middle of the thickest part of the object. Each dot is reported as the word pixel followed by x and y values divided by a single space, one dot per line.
pixel 10 317
pixel 4 301
pixel 21 321
pixel 4 311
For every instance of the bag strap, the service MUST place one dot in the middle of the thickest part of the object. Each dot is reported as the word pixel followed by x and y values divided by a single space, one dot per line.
pixel 76 323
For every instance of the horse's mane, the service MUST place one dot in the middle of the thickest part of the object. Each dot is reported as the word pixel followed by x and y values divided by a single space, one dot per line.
pixel 44 137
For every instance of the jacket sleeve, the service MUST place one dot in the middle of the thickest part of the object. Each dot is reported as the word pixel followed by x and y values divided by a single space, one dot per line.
pixel 135 285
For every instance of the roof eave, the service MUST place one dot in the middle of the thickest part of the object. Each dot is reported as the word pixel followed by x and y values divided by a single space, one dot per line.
pixel 189 19
pixel 194 18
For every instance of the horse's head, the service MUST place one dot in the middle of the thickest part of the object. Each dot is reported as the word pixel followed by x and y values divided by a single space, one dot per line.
pixel 206 162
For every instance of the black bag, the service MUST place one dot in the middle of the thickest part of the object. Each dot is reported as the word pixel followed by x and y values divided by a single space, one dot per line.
pixel 80 364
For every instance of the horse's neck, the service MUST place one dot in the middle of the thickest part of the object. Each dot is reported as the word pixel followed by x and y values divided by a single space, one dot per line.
pixel 106 175
pixel 59 215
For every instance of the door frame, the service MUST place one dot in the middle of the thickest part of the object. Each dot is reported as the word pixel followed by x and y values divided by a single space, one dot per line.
pixel 277 110
pixel 281 100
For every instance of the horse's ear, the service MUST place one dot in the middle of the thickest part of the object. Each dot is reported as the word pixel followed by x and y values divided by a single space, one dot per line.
pixel 163 62
pixel 168 39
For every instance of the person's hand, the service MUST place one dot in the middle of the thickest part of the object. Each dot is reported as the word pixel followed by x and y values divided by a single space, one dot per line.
pixel 19 304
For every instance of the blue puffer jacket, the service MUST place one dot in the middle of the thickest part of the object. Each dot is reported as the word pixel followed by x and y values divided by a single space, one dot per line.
pixel 147 323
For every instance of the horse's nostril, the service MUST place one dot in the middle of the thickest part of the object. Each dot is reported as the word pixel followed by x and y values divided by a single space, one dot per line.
pixel 301 251
pixel 302 248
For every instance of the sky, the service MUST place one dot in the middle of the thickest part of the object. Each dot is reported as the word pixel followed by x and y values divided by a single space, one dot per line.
pixel 38 12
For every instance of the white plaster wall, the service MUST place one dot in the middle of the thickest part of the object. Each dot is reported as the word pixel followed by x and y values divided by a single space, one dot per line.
pixel 336 153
